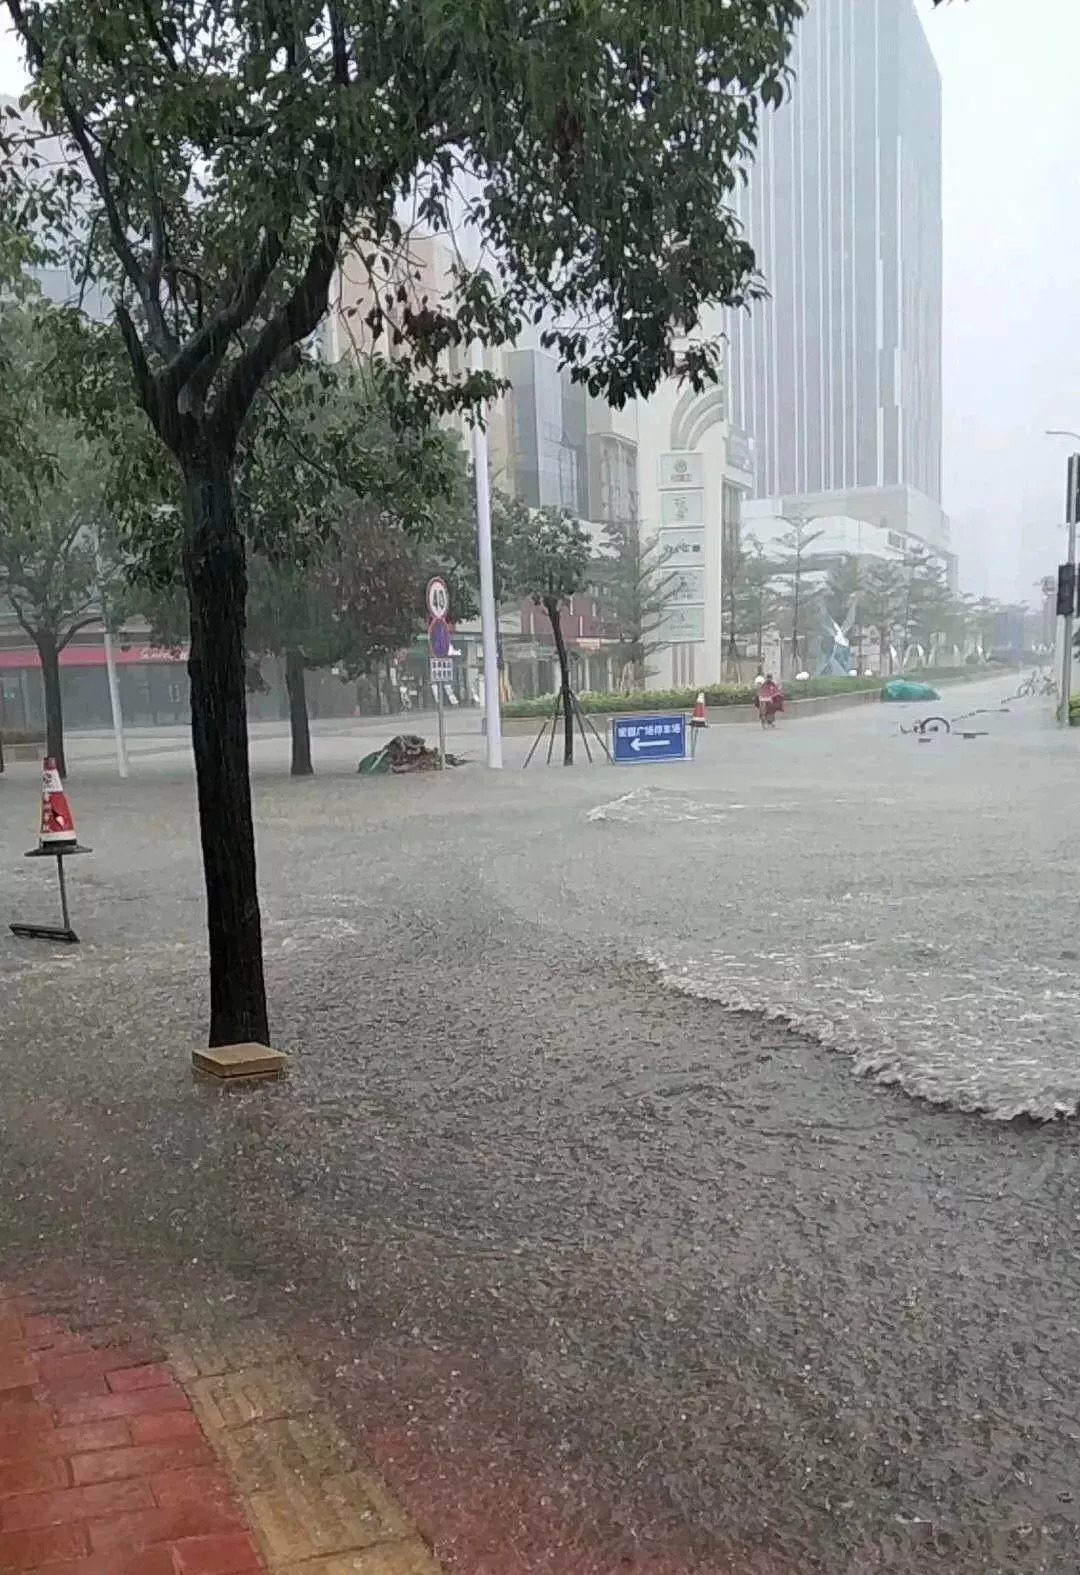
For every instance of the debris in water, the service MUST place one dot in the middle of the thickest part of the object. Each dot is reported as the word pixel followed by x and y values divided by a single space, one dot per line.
pixel 405 752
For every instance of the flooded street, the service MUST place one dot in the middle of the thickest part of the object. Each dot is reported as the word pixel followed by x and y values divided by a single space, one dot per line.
pixel 603 1274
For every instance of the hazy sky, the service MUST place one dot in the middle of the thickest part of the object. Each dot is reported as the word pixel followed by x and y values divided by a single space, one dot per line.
pixel 1012 276
pixel 1012 279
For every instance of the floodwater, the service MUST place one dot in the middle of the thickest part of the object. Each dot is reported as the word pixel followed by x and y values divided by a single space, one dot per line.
pixel 603 1274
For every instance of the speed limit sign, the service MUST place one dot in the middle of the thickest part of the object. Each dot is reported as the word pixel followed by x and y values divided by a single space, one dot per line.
pixel 438 598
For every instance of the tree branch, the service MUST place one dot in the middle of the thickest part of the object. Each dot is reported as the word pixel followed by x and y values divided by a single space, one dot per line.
pixel 210 342
pixel 144 379
pixel 160 336
pixel 78 624
pixel 290 324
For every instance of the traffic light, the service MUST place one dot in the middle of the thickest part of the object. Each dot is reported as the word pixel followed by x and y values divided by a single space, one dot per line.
pixel 1066 590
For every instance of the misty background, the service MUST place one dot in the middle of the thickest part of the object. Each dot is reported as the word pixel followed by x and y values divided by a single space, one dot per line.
pixel 1011 139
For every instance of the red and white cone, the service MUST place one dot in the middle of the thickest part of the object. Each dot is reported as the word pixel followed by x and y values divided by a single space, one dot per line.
pixel 699 719
pixel 57 821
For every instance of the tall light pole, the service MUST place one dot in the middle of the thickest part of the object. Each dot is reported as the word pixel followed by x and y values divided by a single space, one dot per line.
pixel 489 613
pixel 1072 508
pixel 110 669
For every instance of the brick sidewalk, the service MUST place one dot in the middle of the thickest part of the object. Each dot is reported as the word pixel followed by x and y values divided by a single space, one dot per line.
pixel 209 1456
pixel 104 1469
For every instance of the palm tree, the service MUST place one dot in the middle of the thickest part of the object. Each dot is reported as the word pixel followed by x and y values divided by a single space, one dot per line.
pixel 795 544
pixel 753 605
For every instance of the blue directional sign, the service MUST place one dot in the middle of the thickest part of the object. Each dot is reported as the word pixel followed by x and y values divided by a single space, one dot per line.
pixel 636 740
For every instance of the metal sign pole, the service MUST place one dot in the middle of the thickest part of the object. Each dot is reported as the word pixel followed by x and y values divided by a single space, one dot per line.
pixel 63 893
pixel 442 726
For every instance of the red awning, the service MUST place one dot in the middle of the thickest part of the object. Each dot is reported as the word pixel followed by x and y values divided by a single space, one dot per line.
pixel 91 656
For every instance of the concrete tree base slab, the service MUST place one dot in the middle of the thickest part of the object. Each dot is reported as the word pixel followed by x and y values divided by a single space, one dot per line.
pixel 236 1063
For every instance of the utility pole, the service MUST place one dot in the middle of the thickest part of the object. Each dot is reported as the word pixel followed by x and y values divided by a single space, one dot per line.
pixel 1066 598
pixel 110 669
pixel 489 613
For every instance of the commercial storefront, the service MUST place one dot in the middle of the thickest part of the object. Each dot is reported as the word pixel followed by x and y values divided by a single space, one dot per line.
pixel 153 686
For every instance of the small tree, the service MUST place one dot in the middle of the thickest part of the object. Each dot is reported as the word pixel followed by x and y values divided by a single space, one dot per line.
pixel 550 557
pixel 755 602
pixel 637 588
pixel 884 598
pixel 733 556
pixel 931 605
pixel 51 514
pixel 795 545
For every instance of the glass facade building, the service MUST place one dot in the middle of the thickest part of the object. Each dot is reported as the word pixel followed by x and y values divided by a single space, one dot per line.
pixel 547 433
pixel 838 374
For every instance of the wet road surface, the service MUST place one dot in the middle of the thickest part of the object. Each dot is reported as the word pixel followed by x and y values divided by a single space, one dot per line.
pixel 605 1275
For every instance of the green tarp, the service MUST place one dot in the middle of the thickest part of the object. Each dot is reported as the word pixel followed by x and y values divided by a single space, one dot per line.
pixel 902 689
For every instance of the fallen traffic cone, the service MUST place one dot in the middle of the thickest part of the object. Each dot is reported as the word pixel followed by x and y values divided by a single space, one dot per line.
pixel 699 719
pixel 57 821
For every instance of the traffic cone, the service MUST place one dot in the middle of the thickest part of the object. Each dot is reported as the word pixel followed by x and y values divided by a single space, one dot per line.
pixel 57 821
pixel 699 719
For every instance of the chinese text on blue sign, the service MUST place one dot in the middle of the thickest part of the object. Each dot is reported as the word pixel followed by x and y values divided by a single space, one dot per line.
pixel 635 739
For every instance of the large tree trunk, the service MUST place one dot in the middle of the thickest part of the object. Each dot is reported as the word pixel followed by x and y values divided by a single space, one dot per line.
pixel 554 612
pixel 296 687
pixel 49 653
pixel 215 573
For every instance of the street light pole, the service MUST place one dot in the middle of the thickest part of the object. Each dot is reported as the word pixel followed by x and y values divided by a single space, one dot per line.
pixel 110 671
pixel 1072 510
pixel 489 613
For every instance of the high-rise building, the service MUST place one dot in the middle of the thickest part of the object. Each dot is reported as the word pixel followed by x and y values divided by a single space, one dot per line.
pixel 838 375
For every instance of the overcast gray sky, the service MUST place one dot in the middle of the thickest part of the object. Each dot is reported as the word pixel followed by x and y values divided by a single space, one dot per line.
pixel 1012 279
pixel 1012 276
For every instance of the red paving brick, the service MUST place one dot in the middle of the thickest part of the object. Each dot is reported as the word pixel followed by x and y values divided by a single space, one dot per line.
pixel 163 1525
pixel 31 1550
pixel 103 1466
pixel 146 1561
pixel 72 1441
pixel 72 1504
pixel 113 1465
pixel 80 1386
pixel 128 1379
pixel 162 1427
pixel 62 1366
pixel 228 1555
pixel 104 1408
pixel 173 1489
pixel 16 1372
pixel 31 1473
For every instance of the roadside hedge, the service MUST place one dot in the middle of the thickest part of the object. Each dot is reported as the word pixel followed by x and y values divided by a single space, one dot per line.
pixel 21 735
pixel 738 694
pixel 683 699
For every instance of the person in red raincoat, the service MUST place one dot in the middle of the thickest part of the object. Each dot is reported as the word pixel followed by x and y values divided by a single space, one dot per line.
pixel 769 693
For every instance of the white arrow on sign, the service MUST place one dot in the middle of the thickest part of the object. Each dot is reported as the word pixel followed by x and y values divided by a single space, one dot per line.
pixel 638 744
